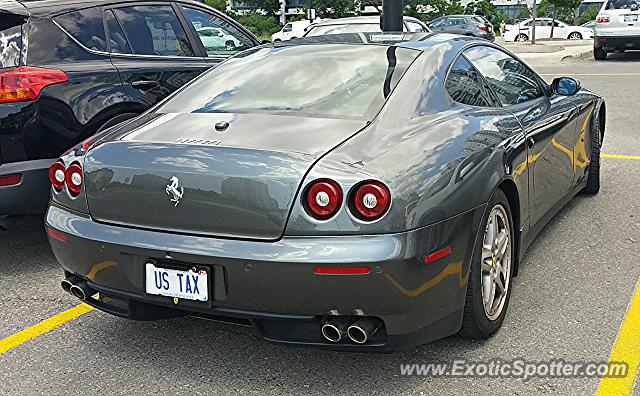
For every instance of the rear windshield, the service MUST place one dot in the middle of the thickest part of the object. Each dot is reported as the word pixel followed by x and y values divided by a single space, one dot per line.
pixel 343 28
pixel 10 39
pixel 329 80
pixel 631 5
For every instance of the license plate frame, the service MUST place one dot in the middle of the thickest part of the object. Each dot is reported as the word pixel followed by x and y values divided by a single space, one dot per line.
pixel 171 288
pixel 630 18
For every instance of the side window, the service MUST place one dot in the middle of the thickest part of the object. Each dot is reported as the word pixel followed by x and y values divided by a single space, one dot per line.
pixel 117 40
pixel 153 30
pixel 85 26
pixel 287 28
pixel 465 85
pixel 512 81
pixel 220 38
pixel 438 22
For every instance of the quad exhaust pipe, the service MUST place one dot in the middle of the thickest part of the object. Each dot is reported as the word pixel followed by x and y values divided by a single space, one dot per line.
pixel 356 330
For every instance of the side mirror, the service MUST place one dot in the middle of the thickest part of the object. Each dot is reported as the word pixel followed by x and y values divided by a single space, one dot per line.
pixel 565 86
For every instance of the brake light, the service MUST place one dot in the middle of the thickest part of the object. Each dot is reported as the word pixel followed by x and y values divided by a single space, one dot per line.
pixel 371 200
pixel 602 19
pixel 482 27
pixel 57 175
pixel 25 82
pixel 323 198
pixel 73 178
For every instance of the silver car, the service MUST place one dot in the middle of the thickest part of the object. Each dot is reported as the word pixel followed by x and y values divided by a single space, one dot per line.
pixel 617 28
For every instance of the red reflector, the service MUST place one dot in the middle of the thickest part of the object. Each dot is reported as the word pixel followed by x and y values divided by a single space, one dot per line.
pixel 10 180
pixel 25 82
pixel 322 270
pixel 437 255
pixel 58 235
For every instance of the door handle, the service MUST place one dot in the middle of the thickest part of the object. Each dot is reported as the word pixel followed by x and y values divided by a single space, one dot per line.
pixel 144 84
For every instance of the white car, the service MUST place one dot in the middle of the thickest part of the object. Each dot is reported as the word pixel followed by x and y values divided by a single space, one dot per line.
pixel 361 24
pixel 617 28
pixel 214 39
pixel 522 31
pixel 292 30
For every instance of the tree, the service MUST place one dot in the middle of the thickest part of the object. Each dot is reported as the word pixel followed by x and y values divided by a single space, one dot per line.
pixel 482 7
pixel 333 8
pixel 217 4
pixel 588 15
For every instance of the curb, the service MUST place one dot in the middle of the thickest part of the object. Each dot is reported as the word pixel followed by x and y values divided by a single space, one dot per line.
pixel 579 56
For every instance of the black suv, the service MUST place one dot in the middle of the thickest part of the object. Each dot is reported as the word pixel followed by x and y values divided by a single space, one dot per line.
pixel 70 68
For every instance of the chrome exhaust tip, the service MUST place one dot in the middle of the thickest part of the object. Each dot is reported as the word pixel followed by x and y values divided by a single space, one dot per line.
pixel 335 329
pixel 81 290
pixel 66 285
pixel 363 329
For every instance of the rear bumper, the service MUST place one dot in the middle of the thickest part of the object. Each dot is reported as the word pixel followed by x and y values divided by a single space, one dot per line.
pixel 271 285
pixel 31 194
pixel 610 43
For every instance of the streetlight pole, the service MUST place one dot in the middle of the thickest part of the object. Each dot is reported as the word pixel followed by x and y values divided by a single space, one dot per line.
pixel 392 15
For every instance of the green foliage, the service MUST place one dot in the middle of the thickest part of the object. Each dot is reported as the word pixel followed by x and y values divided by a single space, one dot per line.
pixel 217 4
pixel 334 8
pixel 262 26
pixel 482 7
pixel 588 15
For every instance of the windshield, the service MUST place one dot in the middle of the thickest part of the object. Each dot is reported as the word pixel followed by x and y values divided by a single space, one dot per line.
pixel 343 28
pixel 329 80
pixel 622 4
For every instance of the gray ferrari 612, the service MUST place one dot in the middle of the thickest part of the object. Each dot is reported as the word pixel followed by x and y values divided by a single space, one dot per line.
pixel 352 192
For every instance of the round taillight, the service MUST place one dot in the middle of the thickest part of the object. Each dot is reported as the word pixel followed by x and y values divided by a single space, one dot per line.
pixel 73 178
pixel 323 198
pixel 57 175
pixel 370 200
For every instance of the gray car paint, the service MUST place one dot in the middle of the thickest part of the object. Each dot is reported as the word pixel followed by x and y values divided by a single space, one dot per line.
pixel 442 162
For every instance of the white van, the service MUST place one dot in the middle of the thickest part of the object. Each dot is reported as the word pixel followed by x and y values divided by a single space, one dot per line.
pixel 291 30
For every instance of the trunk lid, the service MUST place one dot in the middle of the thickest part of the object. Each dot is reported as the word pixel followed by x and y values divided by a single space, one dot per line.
pixel 177 173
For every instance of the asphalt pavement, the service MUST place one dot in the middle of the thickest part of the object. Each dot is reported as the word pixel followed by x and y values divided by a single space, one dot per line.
pixel 568 302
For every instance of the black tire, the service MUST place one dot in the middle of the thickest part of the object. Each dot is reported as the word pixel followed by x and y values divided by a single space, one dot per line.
pixel 475 322
pixel 593 175
pixel 577 36
pixel 599 54
pixel 522 37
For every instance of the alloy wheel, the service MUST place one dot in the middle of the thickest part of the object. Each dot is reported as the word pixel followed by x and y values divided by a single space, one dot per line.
pixel 496 262
pixel 575 36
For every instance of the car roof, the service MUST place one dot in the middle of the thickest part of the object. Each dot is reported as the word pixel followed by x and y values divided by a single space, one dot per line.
pixel 357 20
pixel 44 7
pixel 417 41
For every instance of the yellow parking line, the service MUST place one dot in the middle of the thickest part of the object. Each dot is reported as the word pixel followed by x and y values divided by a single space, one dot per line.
pixel 631 157
pixel 625 349
pixel 42 327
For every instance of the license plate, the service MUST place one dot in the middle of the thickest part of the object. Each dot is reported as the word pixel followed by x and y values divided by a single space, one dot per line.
pixel 630 18
pixel 188 285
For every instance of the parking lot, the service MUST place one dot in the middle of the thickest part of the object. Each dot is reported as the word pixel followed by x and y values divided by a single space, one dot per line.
pixel 569 301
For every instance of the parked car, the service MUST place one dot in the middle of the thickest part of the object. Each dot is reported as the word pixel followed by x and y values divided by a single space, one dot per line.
pixel 466 25
pixel 522 31
pixel 330 193
pixel 292 30
pixel 63 78
pixel 361 24
pixel 617 28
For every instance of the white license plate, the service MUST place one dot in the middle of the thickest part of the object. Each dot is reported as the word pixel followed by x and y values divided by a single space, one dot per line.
pixel 189 285
pixel 630 18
